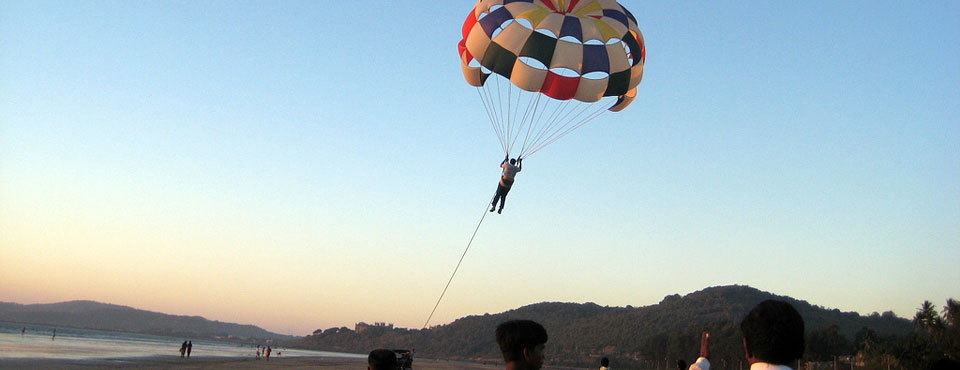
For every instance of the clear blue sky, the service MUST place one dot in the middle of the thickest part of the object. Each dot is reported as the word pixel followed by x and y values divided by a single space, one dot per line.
pixel 302 165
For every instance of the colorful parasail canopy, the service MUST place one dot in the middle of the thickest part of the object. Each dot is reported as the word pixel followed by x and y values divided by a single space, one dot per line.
pixel 559 50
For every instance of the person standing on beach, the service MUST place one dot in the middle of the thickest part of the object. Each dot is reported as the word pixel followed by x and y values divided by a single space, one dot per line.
pixel 189 348
pixel 183 349
pixel 258 352
pixel 54 337
pixel 522 343
pixel 23 331
pixel 268 352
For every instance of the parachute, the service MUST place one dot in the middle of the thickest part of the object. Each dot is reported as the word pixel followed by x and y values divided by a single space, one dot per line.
pixel 544 68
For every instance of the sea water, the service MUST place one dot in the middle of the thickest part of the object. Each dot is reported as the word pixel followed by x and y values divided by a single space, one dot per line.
pixel 71 343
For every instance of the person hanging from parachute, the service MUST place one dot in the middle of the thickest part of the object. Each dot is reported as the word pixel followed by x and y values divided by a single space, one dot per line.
pixel 510 170
pixel 544 68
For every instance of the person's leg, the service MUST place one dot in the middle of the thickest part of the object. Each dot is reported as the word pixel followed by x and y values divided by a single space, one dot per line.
pixel 497 197
pixel 503 200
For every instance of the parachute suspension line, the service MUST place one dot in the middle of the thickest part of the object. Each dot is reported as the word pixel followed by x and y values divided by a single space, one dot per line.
pixel 486 107
pixel 458 264
pixel 504 124
pixel 507 121
pixel 561 121
pixel 538 112
pixel 526 121
pixel 532 109
pixel 543 121
pixel 555 118
pixel 497 121
pixel 567 121
pixel 503 115
pixel 514 123
pixel 491 114
pixel 586 120
pixel 514 109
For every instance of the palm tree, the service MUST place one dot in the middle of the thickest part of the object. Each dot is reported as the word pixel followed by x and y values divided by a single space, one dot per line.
pixel 951 336
pixel 951 313
pixel 927 318
pixel 866 340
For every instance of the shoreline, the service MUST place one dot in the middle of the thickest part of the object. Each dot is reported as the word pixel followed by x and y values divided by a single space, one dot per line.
pixel 233 363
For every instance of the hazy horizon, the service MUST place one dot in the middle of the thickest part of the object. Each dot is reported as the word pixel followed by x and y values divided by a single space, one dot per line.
pixel 352 324
pixel 298 165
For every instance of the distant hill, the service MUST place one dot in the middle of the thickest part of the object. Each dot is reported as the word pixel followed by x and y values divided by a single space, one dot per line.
pixel 102 316
pixel 581 333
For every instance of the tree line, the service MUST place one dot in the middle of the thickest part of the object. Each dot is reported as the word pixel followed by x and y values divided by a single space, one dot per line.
pixel 655 337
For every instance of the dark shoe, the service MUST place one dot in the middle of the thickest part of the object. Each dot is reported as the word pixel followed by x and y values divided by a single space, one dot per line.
pixel 491 209
pixel 498 211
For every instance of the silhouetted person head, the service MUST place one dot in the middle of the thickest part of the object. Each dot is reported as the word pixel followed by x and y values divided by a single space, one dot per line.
pixel 681 365
pixel 522 342
pixel 382 359
pixel 773 333
pixel 604 362
pixel 513 161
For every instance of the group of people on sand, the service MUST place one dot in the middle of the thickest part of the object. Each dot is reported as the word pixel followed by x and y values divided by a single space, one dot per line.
pixel 265 351
pixel 772 340
pixel 23 332
pixel 186 348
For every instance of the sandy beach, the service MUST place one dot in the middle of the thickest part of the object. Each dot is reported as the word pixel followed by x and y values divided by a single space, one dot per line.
pixel 175 362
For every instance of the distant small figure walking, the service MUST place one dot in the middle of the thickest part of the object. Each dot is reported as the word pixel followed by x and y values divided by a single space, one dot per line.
pixel 258 352
pixel 268 352
pixel 189 348
pixel 183 349
pixel 54 337
pixel 23 331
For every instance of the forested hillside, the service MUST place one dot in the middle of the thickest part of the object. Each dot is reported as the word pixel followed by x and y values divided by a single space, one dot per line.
pixel 631 336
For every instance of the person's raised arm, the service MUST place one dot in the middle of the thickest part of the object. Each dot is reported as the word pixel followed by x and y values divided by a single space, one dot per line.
pixel 505 159
pixel 702 362
pixel 705 345
pixel 519 164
